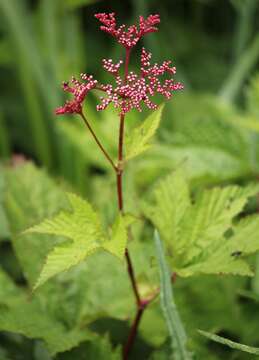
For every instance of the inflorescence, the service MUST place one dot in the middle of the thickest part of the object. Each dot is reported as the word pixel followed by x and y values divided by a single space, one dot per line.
pixel 128 37
pixel 130 91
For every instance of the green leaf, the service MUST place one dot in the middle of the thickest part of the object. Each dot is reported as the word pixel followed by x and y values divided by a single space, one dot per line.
pixel 166 215
pixel 229 343
pixel 139 139
pixel 4 354
pixel 30 196
pixel 82 226
pixel 117 244
pixel 173 320
pixel 25 317
pixel 101 348
pixel 240 71
pixel 202 236
pixel 5 146
pixel 197 131
pixel 4 226
pixel 253 97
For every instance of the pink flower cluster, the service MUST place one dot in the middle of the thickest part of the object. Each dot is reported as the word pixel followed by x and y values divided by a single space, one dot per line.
pixel 132 89
pixel 128 94
pixel 128 37
pixel 79 90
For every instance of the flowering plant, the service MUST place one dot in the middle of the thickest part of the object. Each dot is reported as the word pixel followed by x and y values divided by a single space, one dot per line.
pixel 130 90
pixel 201 234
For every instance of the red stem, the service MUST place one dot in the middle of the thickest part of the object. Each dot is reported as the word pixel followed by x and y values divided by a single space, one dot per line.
pixel 120 165
pixel 133 333
pixel 132 278
pixel 98 142
pixel 140 306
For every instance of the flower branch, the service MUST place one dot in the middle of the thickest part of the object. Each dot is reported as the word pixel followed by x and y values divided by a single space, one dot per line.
pixel 129 91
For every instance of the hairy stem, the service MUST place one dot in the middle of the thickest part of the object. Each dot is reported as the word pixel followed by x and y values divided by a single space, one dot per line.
pixel 98 142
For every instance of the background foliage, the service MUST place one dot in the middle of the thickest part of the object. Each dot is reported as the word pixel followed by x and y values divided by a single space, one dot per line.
pixel 212 128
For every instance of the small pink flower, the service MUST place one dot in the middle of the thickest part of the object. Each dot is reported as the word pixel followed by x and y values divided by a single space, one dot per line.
pixel 112 68
pixel 130 36
pixel 129 94
pixel 79 90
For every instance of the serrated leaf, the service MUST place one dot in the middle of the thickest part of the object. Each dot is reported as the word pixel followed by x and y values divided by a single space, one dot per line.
pixel 82 226
pixel 19 315
pixel 198 131
pixel 229 343
pixel 169 192
pixel 82 294
pixel 139 139
pixel 31 196
pixel 173 320
pixel 117 244
pixel 202 236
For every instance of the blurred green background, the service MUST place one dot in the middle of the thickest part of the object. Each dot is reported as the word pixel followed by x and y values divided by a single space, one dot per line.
pixel 212 126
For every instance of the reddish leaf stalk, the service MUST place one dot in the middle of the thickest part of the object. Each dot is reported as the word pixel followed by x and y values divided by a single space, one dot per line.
pixel 98 142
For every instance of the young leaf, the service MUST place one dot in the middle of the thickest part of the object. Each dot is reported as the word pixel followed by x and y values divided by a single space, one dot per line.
pixel 202 237
pixel 82 226
pixel 139 140
pixel 231 344
pixel 117 244
pixel 174 323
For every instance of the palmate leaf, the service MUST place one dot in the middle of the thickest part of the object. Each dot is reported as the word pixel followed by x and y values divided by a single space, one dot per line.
pixel 139 139
pixel 82 226
pixel 202 237
pixel 82 294
pixel 68 302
